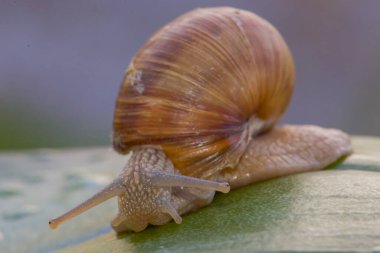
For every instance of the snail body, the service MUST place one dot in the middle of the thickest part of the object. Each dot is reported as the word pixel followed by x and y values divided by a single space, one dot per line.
pixel 197 109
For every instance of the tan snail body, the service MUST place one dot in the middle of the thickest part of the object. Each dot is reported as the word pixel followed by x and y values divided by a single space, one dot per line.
pixel 197 108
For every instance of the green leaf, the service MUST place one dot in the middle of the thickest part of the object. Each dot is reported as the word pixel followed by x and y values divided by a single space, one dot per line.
pixel 335 209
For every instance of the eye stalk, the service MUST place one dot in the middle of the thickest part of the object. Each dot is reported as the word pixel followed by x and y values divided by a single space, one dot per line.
pixel 160 178
pixel 145 192
pixel 112 190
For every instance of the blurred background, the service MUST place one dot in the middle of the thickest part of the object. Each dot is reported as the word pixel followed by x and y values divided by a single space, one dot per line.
pixel 61 63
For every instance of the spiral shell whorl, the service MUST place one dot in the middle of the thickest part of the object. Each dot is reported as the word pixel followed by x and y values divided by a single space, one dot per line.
pixel 199 85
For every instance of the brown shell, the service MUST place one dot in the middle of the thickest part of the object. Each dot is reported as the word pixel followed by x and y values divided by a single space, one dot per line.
pixel 200 85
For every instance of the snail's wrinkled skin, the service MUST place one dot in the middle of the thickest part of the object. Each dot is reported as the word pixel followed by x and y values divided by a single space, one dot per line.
pixel 197 108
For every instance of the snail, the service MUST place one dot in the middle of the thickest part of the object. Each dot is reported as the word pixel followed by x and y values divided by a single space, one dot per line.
pixel 197 108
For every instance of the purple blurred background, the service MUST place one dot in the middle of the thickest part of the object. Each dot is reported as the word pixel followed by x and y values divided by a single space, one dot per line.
pixel 61 63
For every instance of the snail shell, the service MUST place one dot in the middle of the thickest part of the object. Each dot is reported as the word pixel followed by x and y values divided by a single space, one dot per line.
pixel 202 86
pixel 197 107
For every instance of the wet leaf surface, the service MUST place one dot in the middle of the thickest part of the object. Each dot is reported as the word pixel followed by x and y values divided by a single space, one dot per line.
pixel 335 209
